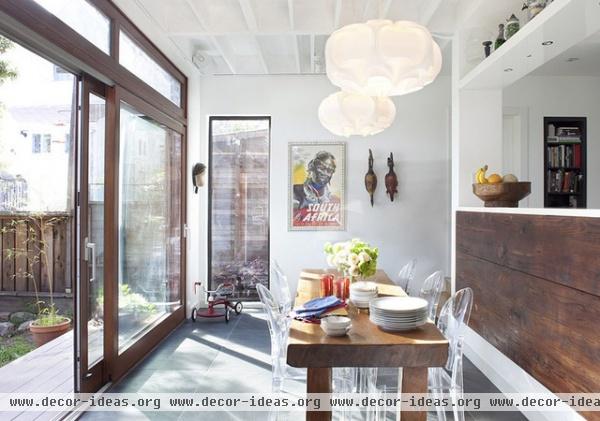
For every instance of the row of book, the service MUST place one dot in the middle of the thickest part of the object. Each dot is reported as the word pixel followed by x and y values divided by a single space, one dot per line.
pixel 563 134
pixel 564 156
pixel 562 181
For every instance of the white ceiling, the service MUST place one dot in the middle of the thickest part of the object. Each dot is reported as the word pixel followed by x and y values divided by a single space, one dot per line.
pixel 278 36
pixel 582 59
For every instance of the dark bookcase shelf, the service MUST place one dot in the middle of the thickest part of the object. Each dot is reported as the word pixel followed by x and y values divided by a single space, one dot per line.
pixel 565 165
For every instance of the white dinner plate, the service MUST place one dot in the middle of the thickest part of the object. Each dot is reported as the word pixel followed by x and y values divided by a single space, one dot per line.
pixel 398 304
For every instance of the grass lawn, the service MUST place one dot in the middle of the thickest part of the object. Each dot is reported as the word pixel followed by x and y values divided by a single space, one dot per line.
pixel 14 347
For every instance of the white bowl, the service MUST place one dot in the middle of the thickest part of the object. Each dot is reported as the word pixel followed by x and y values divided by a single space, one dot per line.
pixel 335 322
pixel 335 331
pixel 364 287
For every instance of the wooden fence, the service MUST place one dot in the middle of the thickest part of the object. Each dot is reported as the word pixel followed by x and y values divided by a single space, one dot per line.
pixel 36 254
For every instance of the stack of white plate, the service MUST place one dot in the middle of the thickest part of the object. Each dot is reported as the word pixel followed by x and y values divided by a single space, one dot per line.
pixel 362 292
pixel 398 313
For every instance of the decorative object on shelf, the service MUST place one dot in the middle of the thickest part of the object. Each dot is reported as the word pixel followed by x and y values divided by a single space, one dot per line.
pixel 512 26
pixel 500 39
pixel 498 191
pixel 354 258
pixel 317 172
pixel 198 172
pixel 371 178
pixel 382 58
pixel 487 48
pixel 391 180
pixel 534 7
pixel 346 114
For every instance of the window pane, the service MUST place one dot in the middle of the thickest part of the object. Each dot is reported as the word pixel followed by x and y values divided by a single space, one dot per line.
pixel 149 223
pixel 135 59
pixel 37 117
pixel 84 18
pixel 240 204
pixel 96 136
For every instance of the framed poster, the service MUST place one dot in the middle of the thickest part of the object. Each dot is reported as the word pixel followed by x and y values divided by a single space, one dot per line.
pixel 317 174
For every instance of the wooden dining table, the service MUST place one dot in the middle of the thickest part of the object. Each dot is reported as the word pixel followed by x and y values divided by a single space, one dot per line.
pixel 366 345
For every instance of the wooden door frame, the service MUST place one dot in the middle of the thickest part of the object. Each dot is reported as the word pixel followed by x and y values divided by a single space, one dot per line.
pixel 119 364
pixel 88 378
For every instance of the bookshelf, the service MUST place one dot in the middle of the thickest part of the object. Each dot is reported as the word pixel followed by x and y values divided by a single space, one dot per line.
pixel 565 174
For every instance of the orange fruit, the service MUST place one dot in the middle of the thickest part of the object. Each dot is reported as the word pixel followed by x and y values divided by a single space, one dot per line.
pixel 494 179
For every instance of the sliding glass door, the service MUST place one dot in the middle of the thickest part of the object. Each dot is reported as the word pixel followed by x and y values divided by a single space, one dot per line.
pixel 150 202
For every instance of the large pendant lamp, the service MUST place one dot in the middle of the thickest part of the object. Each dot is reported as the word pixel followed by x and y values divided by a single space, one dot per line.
pixel 346 114
pixel 382 58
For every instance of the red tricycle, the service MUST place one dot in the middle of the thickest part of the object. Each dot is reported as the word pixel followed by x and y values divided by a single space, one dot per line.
pixel 215 298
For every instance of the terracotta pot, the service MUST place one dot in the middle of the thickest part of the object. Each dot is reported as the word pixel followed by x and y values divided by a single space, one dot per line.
pixel 44 334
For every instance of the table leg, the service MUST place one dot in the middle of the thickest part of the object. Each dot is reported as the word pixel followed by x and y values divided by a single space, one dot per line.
pixel 414 380
pixel 318 380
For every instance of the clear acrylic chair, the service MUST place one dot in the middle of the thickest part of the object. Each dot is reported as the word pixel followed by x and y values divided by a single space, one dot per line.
pixel 431 290
pixel 406 275
pixel 454 316
pixel 280 287
pixel 279 328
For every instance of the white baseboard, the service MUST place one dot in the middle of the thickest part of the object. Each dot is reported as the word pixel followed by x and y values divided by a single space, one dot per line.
pixel 508 377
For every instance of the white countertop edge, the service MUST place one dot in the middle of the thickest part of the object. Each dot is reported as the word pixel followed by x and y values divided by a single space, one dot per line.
pixel 590 213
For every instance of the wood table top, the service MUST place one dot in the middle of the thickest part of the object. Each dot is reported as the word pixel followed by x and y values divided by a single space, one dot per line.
pixel 366 345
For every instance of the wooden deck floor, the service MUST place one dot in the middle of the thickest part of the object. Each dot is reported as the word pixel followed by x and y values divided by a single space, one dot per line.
pixel 47 369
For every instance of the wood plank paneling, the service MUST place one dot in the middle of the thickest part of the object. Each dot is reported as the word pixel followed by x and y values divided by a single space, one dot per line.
pixel 536 283
pixel 21 269
pixel 8 260
pixel 59 250
pixel 560 249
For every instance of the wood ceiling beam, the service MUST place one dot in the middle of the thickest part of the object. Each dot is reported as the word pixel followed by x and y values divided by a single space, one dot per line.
pixel 292 19
pixel 312 53
pixel 428 11
pixel 212 38
pixel 337 14
pixel 250 19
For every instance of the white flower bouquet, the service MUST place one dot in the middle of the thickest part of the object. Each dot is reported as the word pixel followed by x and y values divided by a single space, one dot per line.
pixel 354 258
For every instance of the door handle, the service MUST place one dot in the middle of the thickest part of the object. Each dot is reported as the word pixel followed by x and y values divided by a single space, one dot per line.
pixel 92 248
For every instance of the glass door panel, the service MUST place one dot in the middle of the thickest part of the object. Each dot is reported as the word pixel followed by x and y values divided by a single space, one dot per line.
pixel 149 223
pixel 95 220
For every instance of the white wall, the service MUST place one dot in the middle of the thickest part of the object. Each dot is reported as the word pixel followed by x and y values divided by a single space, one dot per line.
pixel 558 96
pixel 416 224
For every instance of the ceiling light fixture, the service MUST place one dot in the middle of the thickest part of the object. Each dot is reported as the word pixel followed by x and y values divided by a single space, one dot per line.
pixel 572 59
pixel 346 114
pixel 508 69
pixel 546 43
pixel 382 58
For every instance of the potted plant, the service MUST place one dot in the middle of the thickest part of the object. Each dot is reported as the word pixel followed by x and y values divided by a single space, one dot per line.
pixel 49 323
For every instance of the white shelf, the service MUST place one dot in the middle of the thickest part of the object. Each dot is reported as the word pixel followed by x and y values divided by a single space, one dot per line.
pixel 589 213
pixel 564 22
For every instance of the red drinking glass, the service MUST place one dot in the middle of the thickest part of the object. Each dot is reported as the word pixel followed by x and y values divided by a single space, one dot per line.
pixel 341 288
pixel 326 285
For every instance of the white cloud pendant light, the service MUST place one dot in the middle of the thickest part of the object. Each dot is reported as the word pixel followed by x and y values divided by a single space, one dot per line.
pixel 347 114
pixel 382 58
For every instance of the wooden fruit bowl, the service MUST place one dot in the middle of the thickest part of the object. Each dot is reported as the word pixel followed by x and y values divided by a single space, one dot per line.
pixel 505 195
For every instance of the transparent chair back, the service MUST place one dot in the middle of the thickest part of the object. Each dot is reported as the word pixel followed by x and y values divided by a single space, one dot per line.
pixel 406 275
pixel 454 316
pixel 279 325
pixel 280 287
pixel 431 290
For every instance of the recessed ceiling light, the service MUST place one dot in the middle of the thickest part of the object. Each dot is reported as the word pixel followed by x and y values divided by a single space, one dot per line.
pixel 547 42
pixel 529 55
pixel 572 59
pixel 508 69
